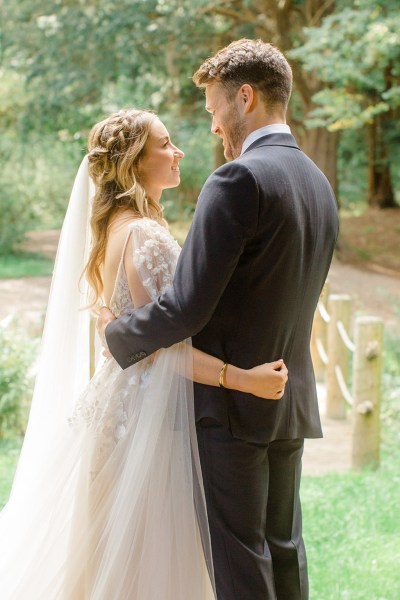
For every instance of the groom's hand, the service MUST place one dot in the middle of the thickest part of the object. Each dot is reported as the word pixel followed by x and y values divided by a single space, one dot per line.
pixel 105 317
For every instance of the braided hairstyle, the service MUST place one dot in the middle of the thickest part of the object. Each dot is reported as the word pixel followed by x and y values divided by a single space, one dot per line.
pixel 115 148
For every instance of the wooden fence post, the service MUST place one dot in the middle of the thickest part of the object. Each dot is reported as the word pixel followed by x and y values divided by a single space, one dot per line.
pixel 340 310
pixel 367 367
pixel 319 336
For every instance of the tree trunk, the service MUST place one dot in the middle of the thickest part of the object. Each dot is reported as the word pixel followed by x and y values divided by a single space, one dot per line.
pixel 380 189
pixel 321 146
pixel 280 23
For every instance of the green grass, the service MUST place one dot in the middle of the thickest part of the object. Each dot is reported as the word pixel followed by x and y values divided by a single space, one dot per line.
pixel 9 452
pixel 24 264
pixel 352 532
pixel 351 520
pixel 351 529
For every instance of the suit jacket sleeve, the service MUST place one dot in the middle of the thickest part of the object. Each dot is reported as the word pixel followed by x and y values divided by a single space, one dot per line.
pixel 226 216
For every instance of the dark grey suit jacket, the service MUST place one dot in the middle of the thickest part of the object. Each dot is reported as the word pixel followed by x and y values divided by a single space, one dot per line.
pixel 246 286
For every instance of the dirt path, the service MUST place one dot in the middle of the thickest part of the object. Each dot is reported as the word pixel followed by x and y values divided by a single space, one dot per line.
pixel 27 297
pixel 374 293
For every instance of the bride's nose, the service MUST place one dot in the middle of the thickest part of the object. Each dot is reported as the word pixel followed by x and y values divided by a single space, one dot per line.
pixel 178 153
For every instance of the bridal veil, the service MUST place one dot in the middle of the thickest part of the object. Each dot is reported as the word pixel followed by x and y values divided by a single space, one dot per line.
pixel 134 527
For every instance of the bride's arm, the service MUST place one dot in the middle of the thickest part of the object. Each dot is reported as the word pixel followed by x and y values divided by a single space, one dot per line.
pixel 265 381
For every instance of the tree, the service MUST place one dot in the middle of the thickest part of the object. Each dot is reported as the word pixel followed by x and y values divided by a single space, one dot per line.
pixel 282 23
pixel 78 61
pixel 80 56
pixel 356 52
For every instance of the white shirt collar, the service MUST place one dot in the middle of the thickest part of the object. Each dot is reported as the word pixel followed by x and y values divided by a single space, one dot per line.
pixel 266 130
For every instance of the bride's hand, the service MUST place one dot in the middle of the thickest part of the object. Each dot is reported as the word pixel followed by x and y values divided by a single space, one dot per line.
pixel 267 380
pixel 105 317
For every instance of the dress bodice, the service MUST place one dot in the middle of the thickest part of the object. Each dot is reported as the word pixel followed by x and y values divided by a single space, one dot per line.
pixel 154 253
pixel 105 405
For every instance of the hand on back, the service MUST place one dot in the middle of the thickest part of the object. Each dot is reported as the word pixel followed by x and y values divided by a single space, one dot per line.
pixel 268 380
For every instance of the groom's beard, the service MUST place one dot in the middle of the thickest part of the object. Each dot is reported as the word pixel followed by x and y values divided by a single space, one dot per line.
pixel 234 135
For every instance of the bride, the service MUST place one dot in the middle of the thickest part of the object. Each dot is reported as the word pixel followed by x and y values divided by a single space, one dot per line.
pixel 108 500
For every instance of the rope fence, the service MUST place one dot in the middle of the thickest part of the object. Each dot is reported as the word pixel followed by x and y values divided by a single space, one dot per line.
pixel 351 370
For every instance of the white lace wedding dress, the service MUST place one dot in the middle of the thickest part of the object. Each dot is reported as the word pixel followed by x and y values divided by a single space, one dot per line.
pixel 116 511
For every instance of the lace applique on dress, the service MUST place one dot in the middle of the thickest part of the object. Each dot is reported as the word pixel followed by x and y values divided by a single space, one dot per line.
pixel 105 407
pixel 155 256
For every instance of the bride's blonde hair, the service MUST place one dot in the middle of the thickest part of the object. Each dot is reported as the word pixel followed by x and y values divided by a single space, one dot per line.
pixel 116 146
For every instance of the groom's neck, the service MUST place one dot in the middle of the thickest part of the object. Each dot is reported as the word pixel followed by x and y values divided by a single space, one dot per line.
pixel 256 121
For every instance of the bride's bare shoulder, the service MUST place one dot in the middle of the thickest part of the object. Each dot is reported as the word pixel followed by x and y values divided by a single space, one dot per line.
pixel 120 228
pixel 121 223
pixel 117 234
pixel 118 231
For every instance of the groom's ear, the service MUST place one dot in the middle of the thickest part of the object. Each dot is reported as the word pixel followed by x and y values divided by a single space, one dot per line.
pixel 246 97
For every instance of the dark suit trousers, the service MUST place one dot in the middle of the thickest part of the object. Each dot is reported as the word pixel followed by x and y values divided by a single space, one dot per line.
pixel 252 493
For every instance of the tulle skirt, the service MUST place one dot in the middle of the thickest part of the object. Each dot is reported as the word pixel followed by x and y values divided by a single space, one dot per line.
pixel 115 509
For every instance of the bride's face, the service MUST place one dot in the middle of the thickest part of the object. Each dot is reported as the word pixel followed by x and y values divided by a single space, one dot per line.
pixel 159 166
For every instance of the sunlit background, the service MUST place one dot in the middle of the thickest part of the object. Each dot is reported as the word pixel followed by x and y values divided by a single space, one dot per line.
pixel 66 64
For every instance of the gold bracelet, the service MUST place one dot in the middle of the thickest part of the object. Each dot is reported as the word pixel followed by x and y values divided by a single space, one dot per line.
pixel 222 375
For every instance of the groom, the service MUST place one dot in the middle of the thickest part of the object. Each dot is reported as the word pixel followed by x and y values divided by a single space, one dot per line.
pixel 246 287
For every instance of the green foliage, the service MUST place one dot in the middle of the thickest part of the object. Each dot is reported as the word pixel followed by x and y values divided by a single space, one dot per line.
pixel 24 264
pixel 83 59
pixel 194 140
pixel 9 452
pixel 356 51
pixel 67 65
pixel 47 175
pixel 392 354
pixel 17 354
pixel 390 409
pixel 16 216
pixel 352 166
pixel 35 182
pixel 37 168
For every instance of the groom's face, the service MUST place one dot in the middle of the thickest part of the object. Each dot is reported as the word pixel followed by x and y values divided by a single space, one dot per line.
pixel 227 119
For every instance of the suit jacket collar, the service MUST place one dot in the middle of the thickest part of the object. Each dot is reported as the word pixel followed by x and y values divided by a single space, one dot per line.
pixel 273 139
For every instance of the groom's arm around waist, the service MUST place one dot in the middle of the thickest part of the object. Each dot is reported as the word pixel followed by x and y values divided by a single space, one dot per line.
pixel 226 216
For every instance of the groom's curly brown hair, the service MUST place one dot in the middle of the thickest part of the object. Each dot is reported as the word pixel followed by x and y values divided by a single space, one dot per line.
pixel 255 62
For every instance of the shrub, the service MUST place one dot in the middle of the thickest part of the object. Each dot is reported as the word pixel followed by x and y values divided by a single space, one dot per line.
pixel 16 380
pixel 390 407
pixel 35 183
pixel 16 215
